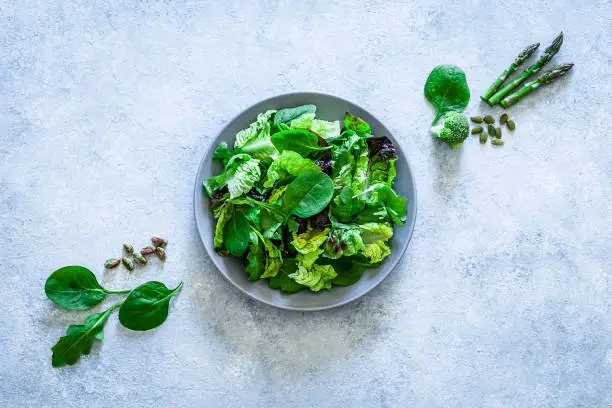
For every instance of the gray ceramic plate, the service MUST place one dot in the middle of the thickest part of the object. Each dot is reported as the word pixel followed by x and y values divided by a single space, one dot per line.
pixel 329 108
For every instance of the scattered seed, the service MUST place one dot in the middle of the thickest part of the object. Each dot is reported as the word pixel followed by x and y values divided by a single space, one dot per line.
pixel 159 241
pixel 476 130
pixel 491 130
pixel 139 258
pixel 127 262
pixel 112 263
pixel 503 118
pixel 489 119
pixel 483 138
pixel 148 250
pixel 498 132
pixel 128 248
pixel 497 142
pixel 161 254
pixel 511 125
pixel 476 119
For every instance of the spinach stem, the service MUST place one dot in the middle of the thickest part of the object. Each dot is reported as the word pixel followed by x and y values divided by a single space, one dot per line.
pixel 117 291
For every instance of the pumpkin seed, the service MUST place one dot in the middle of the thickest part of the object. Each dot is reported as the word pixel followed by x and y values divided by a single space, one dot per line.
pixel 476 119
pixel 511 125
pixel 489 119
pixel 483 138
pixel 497 142
pixel 491 130
pixel 503 118
pixel 498 132
pixel 476 130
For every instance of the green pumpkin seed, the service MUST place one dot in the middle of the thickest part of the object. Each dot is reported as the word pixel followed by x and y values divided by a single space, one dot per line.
pixel 511 125
pixel 476 130
pixel 483 138
pixel 491 130
pixel 497 142
pixel 503 118
pixel 498 133
pixel 476 119
pixel 489 119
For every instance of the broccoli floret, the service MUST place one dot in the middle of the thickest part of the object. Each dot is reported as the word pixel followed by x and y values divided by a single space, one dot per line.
pixel 454 130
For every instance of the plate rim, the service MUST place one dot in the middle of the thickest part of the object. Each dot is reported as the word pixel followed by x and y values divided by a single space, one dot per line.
pixel 213 257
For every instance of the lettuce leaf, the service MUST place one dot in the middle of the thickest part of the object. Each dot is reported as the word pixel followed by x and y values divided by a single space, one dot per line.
pixel 310 240
pixel 373 231
pixel 356 124
pixel 316 277
pixel 240 174
pixel 255 140
pixel 386 197
pixel 256 258
pixel 322 128
pixel 288 166
pixel 382 160
pixel 377 251
pixel 223 215
pixel 274 257
pixel 345 241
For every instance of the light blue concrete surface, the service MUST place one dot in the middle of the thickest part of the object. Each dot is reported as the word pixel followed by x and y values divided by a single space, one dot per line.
pixel 504 296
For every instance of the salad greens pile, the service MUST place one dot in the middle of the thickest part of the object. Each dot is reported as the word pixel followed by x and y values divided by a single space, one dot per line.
pixel 304 202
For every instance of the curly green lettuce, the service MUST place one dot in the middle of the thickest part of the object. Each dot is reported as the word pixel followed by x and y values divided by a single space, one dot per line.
pixel 288 166
pixel 255 140
pixel 323 128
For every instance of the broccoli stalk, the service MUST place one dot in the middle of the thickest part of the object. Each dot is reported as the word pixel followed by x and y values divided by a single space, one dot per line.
pixel 453 131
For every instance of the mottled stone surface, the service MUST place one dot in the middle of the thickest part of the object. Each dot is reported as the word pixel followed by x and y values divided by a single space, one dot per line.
pixel 504 295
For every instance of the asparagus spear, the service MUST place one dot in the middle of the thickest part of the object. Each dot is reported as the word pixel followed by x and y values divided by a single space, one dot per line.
pixel 526 53
pixel 544 79
pixel 534 69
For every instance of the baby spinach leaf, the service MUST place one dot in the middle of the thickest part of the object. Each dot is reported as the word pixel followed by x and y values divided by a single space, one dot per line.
pixel 302 142
pixel 76 288
pixel 146 307
pixel 79 338
pixel 236 234
pixel 348 272
pixel 282 280
pixel 356 124
pixel 288 114
pixel 308 194
pixel 447 90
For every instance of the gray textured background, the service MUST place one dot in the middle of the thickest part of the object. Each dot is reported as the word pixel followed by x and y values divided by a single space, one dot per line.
pixel 503 298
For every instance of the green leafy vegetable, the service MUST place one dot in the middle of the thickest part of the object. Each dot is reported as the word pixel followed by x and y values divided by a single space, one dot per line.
pixel 256 258
pixel 76 288
pixel 240 175
pixel 322 128
pixel 288 114
pixel 310 240
pixel 357 125
pixel 79 338
pixel 308 194
pixel 316 277
pixel 304 205
pixel 447 90
pixel 255 140
pixel 348 270
pixel 146 307
pixel 300 141
pixel 236 234
pixel 282 280
pixel 223 215
pixel 288 166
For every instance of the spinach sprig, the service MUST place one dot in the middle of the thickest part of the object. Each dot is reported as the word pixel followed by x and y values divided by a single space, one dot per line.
pixel 76 288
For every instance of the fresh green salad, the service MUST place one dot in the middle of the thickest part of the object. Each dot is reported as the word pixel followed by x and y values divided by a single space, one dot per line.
pixel 306 203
